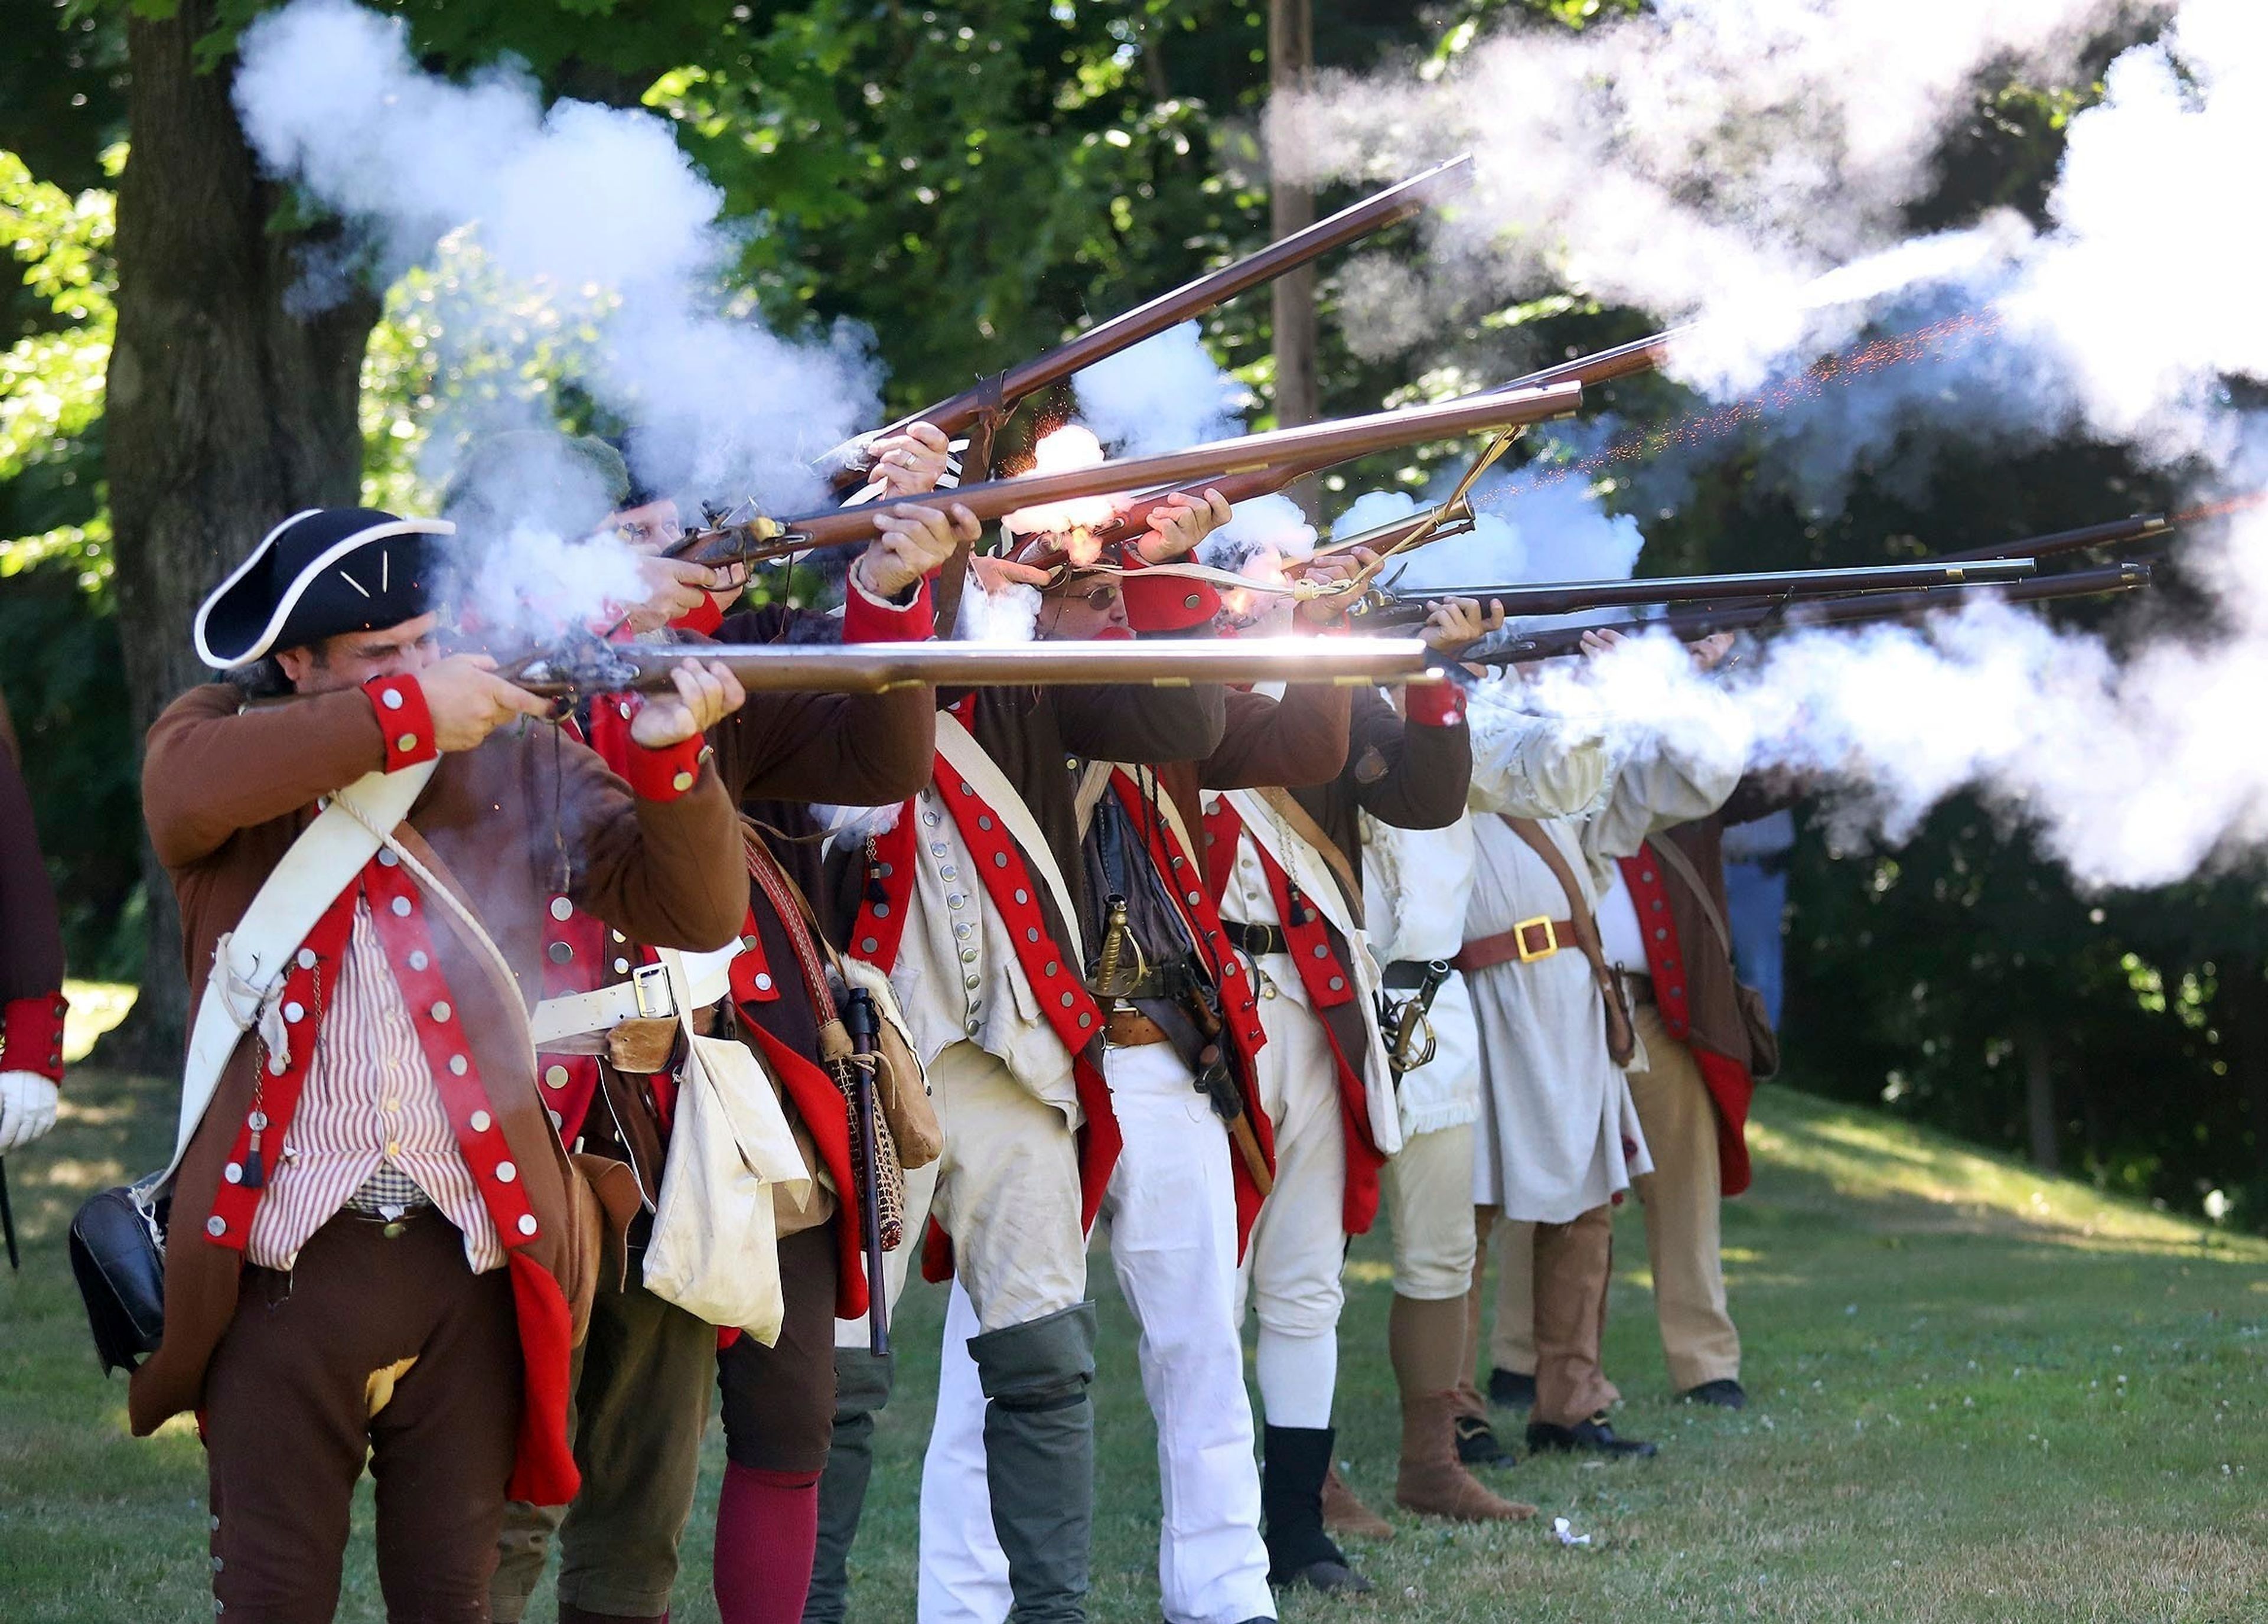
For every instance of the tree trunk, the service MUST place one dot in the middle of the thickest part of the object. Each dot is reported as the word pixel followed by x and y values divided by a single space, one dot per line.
pixel 1290 66
pixel 2039 1099
pixel 2241 1010
pixel 225 414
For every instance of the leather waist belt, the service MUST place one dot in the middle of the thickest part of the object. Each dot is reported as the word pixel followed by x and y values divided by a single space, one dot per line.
pixel 1526 942
pixel 1131 1029
pixel 1255 941
pixel 578 1023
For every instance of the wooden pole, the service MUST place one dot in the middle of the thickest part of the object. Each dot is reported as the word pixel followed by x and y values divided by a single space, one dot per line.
pixel 1291 207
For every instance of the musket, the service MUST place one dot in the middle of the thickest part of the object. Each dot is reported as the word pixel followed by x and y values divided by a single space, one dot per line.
pixel 862 1021
pixel 1312 445
pixel 1602 366
pixel 2111 533
pixel 592 666
pixel 848 463
pixel 1798 611
pixel 1397 607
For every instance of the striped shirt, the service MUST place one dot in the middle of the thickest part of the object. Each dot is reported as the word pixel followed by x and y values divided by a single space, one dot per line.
pixel 370 1104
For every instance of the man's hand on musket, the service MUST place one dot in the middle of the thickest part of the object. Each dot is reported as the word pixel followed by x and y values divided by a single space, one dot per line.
pixel 1454 623
pixel 1328 572
pixel 912 462
pixel 1179 523
pixel 707 692
pixel 468 702
pixel 676 587
pixel 910 543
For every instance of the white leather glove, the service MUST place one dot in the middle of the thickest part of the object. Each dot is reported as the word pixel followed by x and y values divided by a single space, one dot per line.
pixel 27 1108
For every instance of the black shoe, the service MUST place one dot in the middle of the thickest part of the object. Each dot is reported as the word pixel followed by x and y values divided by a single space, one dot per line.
pixel 1512 1390
pixel 1477 1446
pixel 1725 1393
pixel 1331 1578
pixel 1592 1436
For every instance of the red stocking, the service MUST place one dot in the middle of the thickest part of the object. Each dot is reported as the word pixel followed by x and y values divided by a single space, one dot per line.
pixel 767 1534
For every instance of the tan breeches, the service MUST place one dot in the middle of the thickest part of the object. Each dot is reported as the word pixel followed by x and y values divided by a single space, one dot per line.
pixel 1682 1200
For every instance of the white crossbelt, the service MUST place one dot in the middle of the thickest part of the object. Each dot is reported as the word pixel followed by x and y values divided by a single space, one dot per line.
pixel 578 1023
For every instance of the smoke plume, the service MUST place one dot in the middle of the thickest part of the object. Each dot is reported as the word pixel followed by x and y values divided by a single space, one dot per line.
pixel 1749 164
pixel 587 223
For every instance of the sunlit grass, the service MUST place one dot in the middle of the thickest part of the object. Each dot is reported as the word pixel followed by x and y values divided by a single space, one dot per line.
pixel 1980 1395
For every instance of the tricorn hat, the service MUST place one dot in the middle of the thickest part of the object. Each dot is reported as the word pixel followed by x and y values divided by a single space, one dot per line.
pixel 316 575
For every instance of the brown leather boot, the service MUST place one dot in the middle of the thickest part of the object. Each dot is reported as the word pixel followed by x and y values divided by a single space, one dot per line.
pixel 1433 1480
pixel 1344 1514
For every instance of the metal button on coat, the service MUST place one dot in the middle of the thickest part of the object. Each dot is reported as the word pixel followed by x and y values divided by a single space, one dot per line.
pixel 417 958
pixel 763 981
pixel 216 1225
pixel 555 1075
pixel 560 952
pixel 480 1120
pixel 528 1224
pixel 562 909
pixel 457 1065
pixel 402 908
pixel 441 1010
pixel 386 859
pixel 506 1173
pixel 306 959
pixel 392 700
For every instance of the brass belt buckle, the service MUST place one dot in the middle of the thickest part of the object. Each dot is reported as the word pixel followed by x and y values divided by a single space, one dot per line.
pixel 649 985
pixel 1541 922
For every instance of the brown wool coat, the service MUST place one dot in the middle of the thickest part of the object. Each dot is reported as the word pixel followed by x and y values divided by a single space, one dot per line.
pixel 226 791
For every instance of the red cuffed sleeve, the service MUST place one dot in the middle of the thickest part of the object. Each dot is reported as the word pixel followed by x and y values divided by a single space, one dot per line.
pixel 869 619
pixel 32 1035
pixel 404 720
pixel 1164 603
pixel 702 621
pixel 1435 704
pixel 661 774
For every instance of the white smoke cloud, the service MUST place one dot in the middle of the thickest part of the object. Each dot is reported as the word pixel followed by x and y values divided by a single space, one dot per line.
pixel 586 219
pixel 1748 164
pixel 1159 395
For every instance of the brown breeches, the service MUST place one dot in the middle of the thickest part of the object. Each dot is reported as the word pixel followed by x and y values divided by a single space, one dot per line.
pixel 289 1424
pixel 779 1401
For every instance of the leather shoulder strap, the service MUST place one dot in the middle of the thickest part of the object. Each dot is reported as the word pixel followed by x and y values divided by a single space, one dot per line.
pixel 968 758
pixel 1669 853
pixel 1621 1039
pixel 249 961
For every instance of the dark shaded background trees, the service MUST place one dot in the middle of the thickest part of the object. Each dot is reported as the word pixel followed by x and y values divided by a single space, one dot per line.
pixel 972 181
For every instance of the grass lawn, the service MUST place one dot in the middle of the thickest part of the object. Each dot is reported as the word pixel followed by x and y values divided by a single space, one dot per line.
pixel 1979 1394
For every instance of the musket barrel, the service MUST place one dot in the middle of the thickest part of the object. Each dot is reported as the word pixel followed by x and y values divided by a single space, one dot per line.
pixel 880 668
pixel 1350 224
pixel 1316 444
pixel 1829 611
pixel 1572 597
pixel 2110 533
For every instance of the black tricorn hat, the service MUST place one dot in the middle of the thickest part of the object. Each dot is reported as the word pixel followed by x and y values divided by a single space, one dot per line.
pixel 320 574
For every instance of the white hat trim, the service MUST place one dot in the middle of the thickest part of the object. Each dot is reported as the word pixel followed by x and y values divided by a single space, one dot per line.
pixel 292 594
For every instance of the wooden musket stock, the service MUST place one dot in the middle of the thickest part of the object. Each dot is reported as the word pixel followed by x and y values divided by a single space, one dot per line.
pixel 847 464
pixel 1315 445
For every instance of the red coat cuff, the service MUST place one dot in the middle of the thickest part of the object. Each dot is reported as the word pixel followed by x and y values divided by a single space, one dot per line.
pixel 869 619
pixel 665 774
pixel 32 1035
pixel 1435 704
pixel 1164 603
pixel 702 621
pixel 402 716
